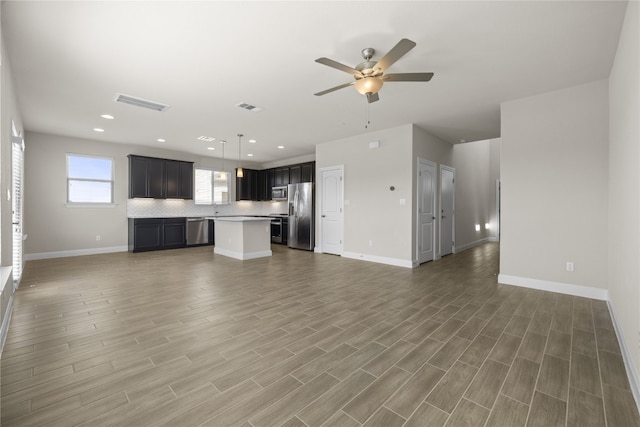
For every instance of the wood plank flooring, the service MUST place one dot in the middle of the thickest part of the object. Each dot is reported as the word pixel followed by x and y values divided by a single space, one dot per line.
pixel 186 338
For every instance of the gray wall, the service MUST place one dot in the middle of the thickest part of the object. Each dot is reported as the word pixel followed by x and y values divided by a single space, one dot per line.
pixel 624 188
pixel 554 186
pixel 477 167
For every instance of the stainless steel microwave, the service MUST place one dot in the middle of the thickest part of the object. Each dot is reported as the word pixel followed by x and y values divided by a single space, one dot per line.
pixel 279 193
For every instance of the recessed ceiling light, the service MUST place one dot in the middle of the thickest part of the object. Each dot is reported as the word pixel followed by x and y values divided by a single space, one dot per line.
pixel 98 130
pixel 206 138
pixel 161 140
pixel 253 141
pixel 107 116
pixel 281 146
pixel 211 148
pixel 249 155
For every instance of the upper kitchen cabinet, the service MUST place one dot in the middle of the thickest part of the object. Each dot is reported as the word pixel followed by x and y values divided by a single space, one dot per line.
pixel 247 186
pixel 308 172
pixel 295 174
pixel 179 176
pixel 281 177
pixel 155 178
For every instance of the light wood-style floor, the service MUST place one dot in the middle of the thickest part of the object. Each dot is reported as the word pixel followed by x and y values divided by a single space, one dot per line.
pixel 185 337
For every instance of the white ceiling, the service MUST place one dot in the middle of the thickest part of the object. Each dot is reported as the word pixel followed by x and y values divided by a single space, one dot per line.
pixel 69 59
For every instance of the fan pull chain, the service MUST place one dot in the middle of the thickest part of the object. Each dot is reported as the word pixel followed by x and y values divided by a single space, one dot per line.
pixel 368 116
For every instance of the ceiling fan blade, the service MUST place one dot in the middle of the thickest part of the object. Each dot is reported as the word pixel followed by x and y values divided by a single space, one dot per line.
pixel 407 77
pixel 324 92
pixel 338 66
pixel 397 52
pixel 372 97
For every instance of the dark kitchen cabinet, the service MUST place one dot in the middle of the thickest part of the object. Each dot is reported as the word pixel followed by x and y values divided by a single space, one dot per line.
pixel 262 186
pixel 145 234
pixel 146 177
pixel 212 232
pixel 152 234
pixel 295 174
pixel 155 178
pixel 179 179
pixel 175 233
pixel 281 177
pixel 247 186
pixel 308 172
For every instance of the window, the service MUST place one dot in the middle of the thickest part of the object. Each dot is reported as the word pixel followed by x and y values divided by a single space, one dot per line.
pixel 211 187
pixel 89 179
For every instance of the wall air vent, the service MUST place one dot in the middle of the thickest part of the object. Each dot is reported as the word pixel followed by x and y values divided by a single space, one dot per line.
pixel 249 107
pixel 139 102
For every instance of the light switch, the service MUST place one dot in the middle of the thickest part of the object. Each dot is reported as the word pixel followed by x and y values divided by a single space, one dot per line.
pixel 403 202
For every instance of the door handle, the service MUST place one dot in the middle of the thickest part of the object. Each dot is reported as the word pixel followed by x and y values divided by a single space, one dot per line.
pixel 433 218
pixel 323 216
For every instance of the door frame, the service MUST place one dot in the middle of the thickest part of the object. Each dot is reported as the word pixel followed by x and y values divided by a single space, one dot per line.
pixel 319 185
pixel 435 208
pixel 453 213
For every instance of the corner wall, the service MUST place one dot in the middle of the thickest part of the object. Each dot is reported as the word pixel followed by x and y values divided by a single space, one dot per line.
pixel 554 153
pixel 623 241
pixel 477 168
pixel 372 212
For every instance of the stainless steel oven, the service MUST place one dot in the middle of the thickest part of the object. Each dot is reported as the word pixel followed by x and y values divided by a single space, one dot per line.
pixel 276 230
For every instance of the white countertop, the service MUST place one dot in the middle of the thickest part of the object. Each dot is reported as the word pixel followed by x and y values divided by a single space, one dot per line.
pixel 238 218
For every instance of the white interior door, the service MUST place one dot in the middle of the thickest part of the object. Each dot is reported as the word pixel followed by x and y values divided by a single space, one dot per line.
pixel 331 210
pixel 447 210
pixel 426 209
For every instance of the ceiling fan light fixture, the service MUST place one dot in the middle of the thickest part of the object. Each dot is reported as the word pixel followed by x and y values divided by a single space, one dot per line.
pixel 368 85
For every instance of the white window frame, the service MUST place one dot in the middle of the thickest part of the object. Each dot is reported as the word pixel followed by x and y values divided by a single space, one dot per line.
pixel 212 195
pixel 111 181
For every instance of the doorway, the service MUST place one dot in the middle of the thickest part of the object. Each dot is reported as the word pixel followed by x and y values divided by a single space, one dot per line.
pixel 426 210
pixel 447 210
pixel 331 209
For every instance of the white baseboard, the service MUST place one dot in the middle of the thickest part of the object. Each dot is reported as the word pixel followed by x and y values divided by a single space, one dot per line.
pixel 5 324
pixel 75 252
pixel 470 245
pixel 380 260
pixel 562 288
pixel 634 381
pixel 240 255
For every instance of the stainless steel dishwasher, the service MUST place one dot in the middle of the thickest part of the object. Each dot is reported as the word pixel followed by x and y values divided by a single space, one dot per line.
pixel 197 231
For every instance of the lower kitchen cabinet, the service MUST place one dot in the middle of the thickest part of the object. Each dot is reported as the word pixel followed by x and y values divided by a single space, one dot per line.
pixel 175 233
pixel 152 234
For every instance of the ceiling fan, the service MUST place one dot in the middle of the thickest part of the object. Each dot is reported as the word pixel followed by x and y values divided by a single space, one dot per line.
pixel 369 75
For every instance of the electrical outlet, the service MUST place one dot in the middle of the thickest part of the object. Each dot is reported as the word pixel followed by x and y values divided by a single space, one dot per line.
pixel 570 266
pixel 97 238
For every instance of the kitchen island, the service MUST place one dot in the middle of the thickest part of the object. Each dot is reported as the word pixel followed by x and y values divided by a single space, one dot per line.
pixel 242 237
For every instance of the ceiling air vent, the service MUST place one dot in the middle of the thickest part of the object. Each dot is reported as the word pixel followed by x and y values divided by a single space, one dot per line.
pixel 249 107
pixel 139 102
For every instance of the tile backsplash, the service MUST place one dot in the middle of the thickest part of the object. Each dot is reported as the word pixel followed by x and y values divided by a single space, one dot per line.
pixel 156 208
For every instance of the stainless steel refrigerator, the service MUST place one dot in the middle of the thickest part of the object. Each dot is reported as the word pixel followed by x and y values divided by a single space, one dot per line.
pixel 301 223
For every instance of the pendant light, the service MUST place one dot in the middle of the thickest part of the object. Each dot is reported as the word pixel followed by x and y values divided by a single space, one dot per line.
pixel 239 172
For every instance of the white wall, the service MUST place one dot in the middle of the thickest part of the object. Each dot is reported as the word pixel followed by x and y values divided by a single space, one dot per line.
pixel 475 200
pixel 372 212
pixel 54 229
pixel 624 189
pixel 554 155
